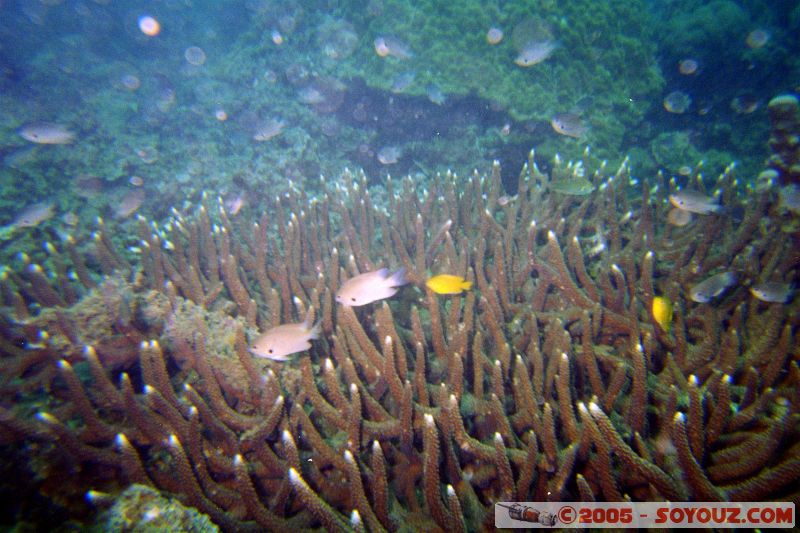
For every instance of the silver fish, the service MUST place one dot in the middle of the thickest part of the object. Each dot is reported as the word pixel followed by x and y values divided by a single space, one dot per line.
pixel 310 95
pixel 387 45
pixel 572 186
pixel 773 291
pixel 129 203
pixel 370 287
pixel 569 124
pixel 47 133
pixel 534 52
pixel 712 287
pixel 695 202
pixel 677 102
pixel 268 129
pixel 280 342
pixel 389 155
pixel 33 215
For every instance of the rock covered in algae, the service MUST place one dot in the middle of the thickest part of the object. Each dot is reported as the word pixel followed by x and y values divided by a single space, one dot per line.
pixel 180 331
pixel 142 509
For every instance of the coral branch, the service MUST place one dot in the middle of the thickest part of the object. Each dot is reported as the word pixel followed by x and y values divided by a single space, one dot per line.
pixel 329 518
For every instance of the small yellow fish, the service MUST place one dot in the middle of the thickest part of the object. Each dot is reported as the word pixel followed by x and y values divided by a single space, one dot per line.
pixel 448 284
pixel 662 312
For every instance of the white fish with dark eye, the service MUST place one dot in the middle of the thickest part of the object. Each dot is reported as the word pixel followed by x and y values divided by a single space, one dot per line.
pixel 47 133
pixel 370 287
pixel 710 288
pixel 280 342
pixel 33 215
pixel 534 52
pixel 569 124
pixel 695 202
pixel 773 291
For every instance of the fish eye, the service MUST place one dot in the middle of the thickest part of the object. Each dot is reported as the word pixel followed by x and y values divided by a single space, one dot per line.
pixel 269 351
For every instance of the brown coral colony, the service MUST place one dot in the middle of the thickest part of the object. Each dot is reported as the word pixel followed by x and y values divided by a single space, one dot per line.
pixel 550 380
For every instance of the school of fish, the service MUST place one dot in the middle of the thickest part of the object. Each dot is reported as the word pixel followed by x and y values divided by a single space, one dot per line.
pixel 280 342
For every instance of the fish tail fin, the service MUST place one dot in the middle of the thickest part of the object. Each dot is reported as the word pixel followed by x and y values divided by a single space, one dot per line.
pixel 316 330
pixel 790 292
pixel 466 285
pixel 308 323
pixel 720 209
pixel 398 278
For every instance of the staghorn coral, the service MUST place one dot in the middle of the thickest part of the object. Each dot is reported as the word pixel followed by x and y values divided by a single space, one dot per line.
pixel 550 380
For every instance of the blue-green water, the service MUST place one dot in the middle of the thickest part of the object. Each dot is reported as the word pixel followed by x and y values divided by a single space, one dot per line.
pixel 110 109
pixel 139 107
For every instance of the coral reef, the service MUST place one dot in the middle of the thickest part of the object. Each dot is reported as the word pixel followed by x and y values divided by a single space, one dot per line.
pixel 611 77
pixel 550 380
pixel 142 111
pixel 784 139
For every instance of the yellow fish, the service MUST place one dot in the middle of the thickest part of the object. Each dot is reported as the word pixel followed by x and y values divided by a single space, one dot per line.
pixel 448 284
pixel 662 312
